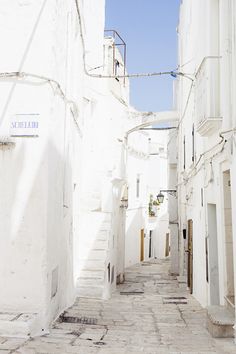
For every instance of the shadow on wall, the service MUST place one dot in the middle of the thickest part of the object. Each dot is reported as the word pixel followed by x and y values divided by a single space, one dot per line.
pixel 134 222
pixel 96 246
pixel 36 236
pixel 161 237
pixel 99 243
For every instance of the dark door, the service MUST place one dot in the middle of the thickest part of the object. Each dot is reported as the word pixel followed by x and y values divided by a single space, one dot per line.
pixel 150 244
pixel 167 250
pixel 142 245
pixel 190 255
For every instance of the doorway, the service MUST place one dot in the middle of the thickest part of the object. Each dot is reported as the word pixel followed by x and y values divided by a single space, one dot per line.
pixel 190 255
pixel 213 268
pixel 150 244
pixel 229 291
pixel 167 248
pixel 142 245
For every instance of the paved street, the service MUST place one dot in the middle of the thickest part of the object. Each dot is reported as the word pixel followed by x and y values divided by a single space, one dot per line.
pixel 151 313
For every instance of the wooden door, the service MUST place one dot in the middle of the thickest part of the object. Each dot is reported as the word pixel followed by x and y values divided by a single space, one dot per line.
pixel 190 255
pixel 142 246
pixel 167 250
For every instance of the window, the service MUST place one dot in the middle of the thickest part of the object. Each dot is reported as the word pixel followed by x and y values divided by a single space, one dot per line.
pixel 138 186
pixel 116 68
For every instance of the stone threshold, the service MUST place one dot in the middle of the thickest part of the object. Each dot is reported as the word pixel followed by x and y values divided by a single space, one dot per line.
pixel 220 322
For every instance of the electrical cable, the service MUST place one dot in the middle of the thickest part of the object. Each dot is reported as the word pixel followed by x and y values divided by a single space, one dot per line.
pixel 190 175
pixel 43 79
pixel 223 141
pixel 186 104
pixel 22 61
pixel 173 73
pixel 22 75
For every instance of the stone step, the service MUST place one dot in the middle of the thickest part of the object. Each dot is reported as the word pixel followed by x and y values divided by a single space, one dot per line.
pixel 182 281
pixel 101 235
pixel 99 244
pixel 89 264
pixel 90 277
pixel 89 282
pixel 220 322
pixel 93 274
pixel 94 255
pixel 90 291
pixel 105 226
pixel 21 325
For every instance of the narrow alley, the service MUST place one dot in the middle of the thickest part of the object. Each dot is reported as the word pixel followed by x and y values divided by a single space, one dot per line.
pixel 152 312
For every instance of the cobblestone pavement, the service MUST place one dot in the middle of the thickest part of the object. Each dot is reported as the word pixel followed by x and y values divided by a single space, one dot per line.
pixel 140 318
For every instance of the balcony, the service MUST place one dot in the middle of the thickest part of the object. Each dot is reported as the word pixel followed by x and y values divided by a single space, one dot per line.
pixel 118 54
pixel 207 97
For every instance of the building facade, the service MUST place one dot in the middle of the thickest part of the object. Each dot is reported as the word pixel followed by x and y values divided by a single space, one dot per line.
pixel 206 150
pixel 73 188
pixel 157 240
pixel 62 160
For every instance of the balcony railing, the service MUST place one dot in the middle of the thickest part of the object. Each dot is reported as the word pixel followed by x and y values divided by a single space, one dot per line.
pixel 119 44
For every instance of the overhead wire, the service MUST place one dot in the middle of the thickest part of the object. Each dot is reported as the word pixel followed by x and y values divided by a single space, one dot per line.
pixel 186 104
pixel 21 75
pixel 54 84
pixel 194 171
pixel 173 73
pixel 22 61
pixel 223 140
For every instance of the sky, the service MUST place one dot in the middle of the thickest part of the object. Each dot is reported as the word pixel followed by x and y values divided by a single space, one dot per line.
pixel 149 29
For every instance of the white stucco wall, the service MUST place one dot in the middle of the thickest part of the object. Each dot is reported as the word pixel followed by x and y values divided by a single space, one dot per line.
pixel 36 185
pixel 136 214
pixel 152 173
pixel 175 235
pixel 201 183
pixel 41 183
pixel 63 221
pixel 157 180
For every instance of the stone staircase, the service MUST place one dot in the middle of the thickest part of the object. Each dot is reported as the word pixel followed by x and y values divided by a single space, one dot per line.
pixel 93 261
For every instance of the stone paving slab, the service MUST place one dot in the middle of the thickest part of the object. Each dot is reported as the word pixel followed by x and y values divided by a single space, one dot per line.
pixel 126 324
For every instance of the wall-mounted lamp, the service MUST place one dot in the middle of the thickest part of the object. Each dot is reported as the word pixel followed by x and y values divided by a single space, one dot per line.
pixel 160 196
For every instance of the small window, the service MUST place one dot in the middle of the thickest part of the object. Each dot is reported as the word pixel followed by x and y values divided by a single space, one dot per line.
pixel 116 65
pixel 202 202
pixel 137 186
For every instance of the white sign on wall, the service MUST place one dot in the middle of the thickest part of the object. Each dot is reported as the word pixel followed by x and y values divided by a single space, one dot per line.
pixel 25 125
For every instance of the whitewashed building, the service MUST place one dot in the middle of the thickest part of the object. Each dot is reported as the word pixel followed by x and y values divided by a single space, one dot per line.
pixel 147 224
pixel 206 152
pixel 73 187
pixel 137 211
pixel 40 127
pixel 157 241
pixel 62 160
pixel 172 152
